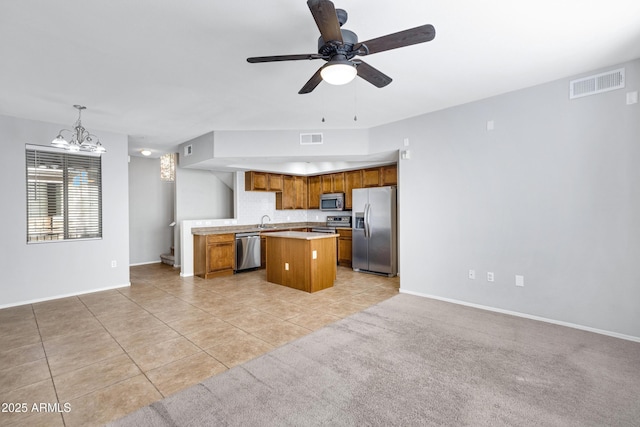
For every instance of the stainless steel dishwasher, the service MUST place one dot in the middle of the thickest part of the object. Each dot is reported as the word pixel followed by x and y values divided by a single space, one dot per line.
pixel 247 251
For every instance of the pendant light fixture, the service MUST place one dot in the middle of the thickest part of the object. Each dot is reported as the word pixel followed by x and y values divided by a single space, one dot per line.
pixel 80 139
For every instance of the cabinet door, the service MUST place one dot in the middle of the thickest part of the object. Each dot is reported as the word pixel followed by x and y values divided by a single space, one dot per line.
pixel 371 177
pixel 313 192
pixel 221 256
pixel 344 247
pixel 389 175
pixel 337 182
pixel 275 182
pixel 352 179
pixel 300 184
pixel 326 184
pixel 286 199
pixel 255 181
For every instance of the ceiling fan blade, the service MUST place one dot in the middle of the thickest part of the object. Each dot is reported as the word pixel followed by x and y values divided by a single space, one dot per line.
pixel 324 13
pixel 312 83
pixel 415 35
pixel 372 75
pixel 276 58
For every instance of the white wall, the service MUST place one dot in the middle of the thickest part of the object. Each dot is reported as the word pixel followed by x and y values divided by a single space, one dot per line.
pixel 553 194
pixel 200 194
pixel 151 207
pixel 42 271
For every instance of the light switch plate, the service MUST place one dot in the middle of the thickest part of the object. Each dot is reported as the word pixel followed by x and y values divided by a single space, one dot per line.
pixel 519 280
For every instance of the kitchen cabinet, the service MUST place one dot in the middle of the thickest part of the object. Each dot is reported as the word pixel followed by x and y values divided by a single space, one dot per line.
pixel 213 255
pixel 332 183
pixel 371 177
pixel 262 181
pixel 352 179
pixel 293 194
pixel 326 184
pixel 255 181
pixel 389 175
pixel 337 182
pixel 275 182
pixel 313 192
pixel 344 246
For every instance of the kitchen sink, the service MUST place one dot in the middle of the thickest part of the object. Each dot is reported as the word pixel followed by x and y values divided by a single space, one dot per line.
pixel 265 227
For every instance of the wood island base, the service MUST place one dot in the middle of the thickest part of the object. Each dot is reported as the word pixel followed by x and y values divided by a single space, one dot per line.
pixel 301 260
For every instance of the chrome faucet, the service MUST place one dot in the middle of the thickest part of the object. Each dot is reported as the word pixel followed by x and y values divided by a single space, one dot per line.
pixel 262 220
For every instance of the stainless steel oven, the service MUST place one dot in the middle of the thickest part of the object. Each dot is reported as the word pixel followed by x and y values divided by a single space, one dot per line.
pixel 332 202
pixel 332 223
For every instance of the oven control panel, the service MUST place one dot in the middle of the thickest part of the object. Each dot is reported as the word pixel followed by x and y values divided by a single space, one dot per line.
pixel 339 221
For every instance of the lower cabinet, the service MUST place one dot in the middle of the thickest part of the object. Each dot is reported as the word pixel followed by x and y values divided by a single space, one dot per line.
pixel 344 247
pixel 213 255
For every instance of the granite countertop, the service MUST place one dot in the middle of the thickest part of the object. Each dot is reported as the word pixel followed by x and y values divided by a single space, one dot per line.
pixel 284 226
pixel 303 235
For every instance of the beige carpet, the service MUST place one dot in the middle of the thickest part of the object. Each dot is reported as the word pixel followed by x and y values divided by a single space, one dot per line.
pixel 416 361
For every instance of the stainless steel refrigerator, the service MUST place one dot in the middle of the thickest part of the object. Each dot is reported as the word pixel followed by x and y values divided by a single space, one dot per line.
pixel 374 244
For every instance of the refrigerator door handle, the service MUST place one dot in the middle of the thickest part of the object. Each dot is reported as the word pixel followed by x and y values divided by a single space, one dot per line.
pixel 367 224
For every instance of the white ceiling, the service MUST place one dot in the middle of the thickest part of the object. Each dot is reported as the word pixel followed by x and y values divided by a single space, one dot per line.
pixel 166 71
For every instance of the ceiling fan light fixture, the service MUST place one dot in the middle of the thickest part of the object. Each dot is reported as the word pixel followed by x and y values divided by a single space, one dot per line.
pixel 338 72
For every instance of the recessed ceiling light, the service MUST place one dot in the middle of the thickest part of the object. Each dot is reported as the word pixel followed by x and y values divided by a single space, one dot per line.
pixel 145 152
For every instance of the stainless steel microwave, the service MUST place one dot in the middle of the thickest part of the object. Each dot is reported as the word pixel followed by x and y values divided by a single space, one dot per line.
pixel 332 202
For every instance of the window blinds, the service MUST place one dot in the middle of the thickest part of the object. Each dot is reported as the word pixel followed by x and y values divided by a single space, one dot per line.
pixel 64 195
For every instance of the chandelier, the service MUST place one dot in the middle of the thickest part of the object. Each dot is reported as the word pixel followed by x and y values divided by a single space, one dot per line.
pixel 80 139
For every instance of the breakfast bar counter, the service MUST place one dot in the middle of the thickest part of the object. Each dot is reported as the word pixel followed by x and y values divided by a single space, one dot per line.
pixel 301 260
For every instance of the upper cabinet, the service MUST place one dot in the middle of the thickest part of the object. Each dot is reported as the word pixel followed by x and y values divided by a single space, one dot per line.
pixel 300 192
pixel 293 194
pixel 313 192
pixel 262 181
pixel 389 175
pixel 371 177
pixel 380 176
pixel 352 179
pixel 275 182
pixel 337 182
pixel 332 183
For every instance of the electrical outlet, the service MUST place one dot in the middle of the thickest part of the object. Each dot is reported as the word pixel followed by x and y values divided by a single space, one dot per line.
pixel 114 264
pixel 472 274
pixel 314 255
pixel 490 277
pixel 286 266
pixel 519 280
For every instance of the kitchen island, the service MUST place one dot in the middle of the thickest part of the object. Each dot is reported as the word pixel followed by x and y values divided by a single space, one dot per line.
pixel 301 260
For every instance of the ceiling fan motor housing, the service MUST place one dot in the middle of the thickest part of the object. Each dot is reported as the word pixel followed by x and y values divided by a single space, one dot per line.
pixel 349 39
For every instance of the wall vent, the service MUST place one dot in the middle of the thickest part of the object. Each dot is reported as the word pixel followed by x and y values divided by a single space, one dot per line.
pixel 310 138
pixel 597 83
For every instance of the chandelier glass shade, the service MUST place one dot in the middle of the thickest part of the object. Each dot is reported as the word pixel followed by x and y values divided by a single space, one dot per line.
pixel 79 139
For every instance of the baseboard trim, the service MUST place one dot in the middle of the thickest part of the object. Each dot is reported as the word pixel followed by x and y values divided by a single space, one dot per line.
pixel 526 316
pixel 145 263
pixel 37 300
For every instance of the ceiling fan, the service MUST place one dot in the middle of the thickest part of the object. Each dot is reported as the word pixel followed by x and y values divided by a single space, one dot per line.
pixel 338 47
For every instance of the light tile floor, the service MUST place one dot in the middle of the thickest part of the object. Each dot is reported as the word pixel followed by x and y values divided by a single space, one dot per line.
pixel 97 357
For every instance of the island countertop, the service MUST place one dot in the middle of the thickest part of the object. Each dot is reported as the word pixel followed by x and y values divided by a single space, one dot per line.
pixel 302 235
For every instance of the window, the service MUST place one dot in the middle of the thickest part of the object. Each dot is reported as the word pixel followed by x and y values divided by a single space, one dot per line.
pixel 64 195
